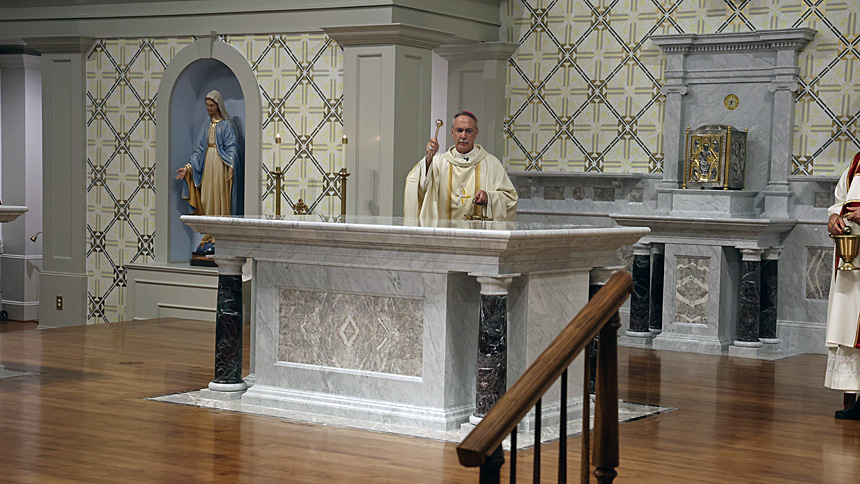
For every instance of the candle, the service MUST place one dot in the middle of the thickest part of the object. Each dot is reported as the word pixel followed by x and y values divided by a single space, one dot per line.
pixel 278 138
pixel 343 142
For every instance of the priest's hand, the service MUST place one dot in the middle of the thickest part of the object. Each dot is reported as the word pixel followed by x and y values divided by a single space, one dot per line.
pixel 481 198
pixel 836 224
pixel 180 173
pixel 432 149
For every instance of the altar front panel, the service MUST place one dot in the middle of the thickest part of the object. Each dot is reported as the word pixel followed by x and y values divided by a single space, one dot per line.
pixel 389 346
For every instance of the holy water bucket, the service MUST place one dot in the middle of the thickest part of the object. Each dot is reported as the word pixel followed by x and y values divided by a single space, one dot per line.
pixel 847 248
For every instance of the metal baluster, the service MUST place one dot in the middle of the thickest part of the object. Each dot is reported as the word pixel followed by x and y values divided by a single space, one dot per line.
pixel 562 428
pixel 585 465
pixel 536 470
pixel 514 456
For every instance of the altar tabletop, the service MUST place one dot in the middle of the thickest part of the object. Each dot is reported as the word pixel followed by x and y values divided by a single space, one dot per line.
pixel 472 246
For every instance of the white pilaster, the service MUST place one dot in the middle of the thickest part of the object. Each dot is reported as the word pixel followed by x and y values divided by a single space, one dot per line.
pixel 21 160
pixel 64 246
pixel 386 85
pixel 476 83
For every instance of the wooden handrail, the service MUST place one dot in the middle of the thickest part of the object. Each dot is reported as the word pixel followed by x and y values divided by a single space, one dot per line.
pixel 484 439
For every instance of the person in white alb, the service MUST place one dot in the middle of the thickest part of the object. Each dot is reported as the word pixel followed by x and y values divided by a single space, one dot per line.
pixel 463 181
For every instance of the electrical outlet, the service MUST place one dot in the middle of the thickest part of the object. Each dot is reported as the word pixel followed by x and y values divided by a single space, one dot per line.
pixel 59 303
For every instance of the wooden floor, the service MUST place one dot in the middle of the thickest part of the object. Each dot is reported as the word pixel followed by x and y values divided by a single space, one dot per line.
pixel 84 419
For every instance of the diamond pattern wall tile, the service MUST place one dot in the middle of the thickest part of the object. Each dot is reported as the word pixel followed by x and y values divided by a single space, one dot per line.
pixel 301 81
pixel 122 83
pixel 617 122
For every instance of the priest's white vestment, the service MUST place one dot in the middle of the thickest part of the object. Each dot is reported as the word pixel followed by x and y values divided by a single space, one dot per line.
pixel 446 190
pixel 843 309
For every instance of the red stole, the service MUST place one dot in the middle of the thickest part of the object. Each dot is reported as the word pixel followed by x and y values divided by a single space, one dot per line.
pixel 852 172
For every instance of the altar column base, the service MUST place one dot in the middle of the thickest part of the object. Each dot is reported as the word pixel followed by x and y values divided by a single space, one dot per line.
pixel 228 327
pixel 492 370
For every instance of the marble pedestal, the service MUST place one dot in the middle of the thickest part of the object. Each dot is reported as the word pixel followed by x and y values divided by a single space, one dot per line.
pixel 701 307
pixel 375 320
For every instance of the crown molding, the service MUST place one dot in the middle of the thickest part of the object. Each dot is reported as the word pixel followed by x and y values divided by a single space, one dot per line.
pixel 61 44
pixel 388 34
pixel 478 51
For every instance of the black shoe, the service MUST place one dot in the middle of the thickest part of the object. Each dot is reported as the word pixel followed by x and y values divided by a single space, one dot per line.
pixel 852 413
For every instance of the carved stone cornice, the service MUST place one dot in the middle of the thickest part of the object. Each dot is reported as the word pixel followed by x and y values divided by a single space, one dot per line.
pixel 388 34
pixel 762 40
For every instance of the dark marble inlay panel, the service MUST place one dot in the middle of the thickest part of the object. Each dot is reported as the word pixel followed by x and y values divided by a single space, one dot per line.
pixel 656 319
pixel 636 195
pixel 819 267
pixel 551 192
pixel 524 190
pixel 228 330
pixel 769 290
pixel 604 194
pixel 691 289
pixel 822 199
pixel 749 309
pixel 359 332
pixel 640 300
pixel 492 353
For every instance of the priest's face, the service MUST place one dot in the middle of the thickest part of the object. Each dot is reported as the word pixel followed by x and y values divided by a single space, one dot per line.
pixel 464 130
pixel 212 109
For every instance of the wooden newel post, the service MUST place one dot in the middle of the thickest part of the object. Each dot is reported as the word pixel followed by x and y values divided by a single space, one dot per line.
pixel 491 469
pixel 605 456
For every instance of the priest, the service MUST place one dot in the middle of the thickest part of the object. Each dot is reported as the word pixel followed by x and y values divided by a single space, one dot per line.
pixel 463 182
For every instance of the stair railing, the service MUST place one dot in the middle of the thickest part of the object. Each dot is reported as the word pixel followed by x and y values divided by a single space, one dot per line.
pixel 483 446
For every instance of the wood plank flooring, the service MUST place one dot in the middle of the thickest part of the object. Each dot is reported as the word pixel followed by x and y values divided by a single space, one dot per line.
pixel 84 419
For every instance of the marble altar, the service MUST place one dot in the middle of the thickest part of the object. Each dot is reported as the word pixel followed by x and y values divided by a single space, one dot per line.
pixel 377 318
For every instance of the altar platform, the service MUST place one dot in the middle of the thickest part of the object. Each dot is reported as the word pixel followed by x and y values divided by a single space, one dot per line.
pixel 384 320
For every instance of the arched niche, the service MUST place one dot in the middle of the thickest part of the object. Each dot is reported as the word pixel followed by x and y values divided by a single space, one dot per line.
pixel 180 113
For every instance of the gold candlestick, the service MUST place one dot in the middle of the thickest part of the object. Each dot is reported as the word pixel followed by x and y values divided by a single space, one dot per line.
pixel 278 175
pixel 342 175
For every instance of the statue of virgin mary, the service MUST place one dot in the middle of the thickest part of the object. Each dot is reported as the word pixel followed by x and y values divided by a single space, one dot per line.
pixel 214 172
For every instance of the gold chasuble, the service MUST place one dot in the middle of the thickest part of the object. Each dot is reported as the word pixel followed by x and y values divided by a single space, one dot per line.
pixel 446 190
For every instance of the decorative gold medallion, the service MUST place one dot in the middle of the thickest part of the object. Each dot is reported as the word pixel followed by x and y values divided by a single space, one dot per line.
pixel 731 102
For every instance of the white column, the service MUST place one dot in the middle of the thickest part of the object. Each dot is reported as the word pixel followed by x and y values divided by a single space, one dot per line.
pixel 64 194
pixel 386 89
pixel 21 160
pixel 476 83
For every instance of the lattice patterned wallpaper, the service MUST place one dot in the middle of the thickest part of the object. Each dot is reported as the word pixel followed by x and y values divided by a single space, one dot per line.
pixel 300 78
pixel 122 83
pixel 583 88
